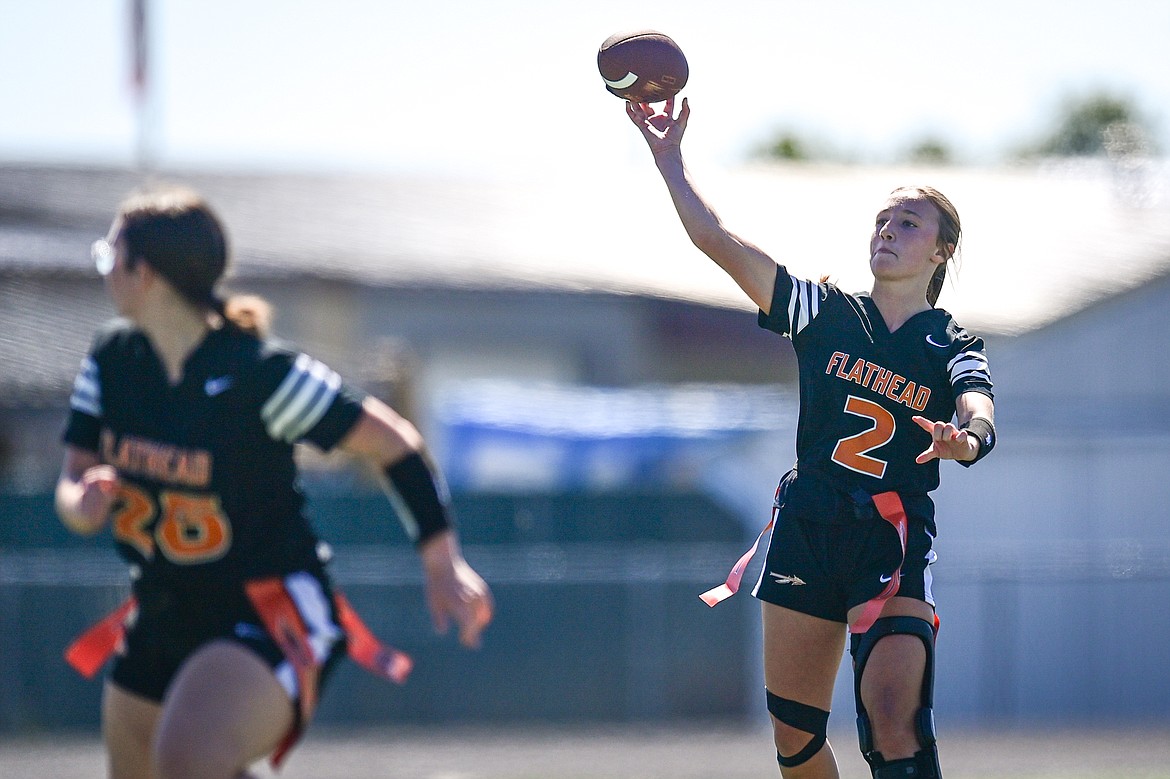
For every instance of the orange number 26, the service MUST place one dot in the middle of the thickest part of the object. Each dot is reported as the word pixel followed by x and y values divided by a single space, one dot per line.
pixel 191 529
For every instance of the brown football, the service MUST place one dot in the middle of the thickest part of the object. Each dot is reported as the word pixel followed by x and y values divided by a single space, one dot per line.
pixel 644 66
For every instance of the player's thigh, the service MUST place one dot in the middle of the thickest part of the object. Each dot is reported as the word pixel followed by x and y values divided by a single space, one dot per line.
pixel 129 722
pixel 225 707
pixel 891 686
pixel 802 654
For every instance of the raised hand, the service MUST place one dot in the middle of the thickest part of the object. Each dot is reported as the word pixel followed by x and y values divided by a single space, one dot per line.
pixel 949 442
pixel 661 130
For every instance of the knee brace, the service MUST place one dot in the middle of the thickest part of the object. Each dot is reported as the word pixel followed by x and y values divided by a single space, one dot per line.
pixel 801 716
pixel 924 764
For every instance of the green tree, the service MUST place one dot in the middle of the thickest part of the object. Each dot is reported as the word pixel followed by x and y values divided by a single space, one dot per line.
pixel 930 151
pixel 1083 125
pixel 786 146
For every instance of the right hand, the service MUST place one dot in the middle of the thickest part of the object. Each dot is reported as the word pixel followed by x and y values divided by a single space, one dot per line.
pixel 662 131
pixel 99 490
pixel 455 592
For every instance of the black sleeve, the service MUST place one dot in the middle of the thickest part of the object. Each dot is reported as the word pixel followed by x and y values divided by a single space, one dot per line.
pixel 83 428
pixel 795 304
pixel 302 399
pixel 967 365
pixel 82 431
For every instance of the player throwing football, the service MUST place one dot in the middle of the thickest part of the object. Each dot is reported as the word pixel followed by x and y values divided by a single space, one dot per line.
pixel 889 385
pixel 184 416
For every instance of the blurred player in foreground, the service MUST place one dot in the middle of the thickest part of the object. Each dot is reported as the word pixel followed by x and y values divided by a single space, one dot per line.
pixel 882 376
pixel 181 438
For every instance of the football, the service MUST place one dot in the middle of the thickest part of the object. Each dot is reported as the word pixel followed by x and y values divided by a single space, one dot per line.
pixel 644 66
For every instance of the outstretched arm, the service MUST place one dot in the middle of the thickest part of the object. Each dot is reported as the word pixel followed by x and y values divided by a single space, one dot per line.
pixel 750 268
pixel 455 592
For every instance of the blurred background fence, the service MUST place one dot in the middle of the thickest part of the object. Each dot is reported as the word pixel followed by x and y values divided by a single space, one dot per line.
pixel 613 449
pixel 599 620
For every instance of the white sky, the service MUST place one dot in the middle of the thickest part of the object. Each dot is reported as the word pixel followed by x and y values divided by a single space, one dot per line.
pixel 467 84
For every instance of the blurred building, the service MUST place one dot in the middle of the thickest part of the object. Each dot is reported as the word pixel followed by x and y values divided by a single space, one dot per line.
pixel 613 422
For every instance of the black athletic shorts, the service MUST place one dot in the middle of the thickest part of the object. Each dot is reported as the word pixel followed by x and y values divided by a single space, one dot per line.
pixel 172 624
pixel 831 551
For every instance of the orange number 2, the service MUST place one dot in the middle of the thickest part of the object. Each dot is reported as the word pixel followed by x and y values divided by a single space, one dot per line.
pixel 852 452
pixel 133 514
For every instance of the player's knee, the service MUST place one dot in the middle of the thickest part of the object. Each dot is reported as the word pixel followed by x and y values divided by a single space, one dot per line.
pixel 891 708
pixel 901 718
pixel 793 745
pixel 799 730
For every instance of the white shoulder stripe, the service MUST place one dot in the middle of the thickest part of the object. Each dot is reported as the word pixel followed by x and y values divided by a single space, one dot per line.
pixel 793 295
pixel 966 358
pixel 286 388
pixel 802 317
pixel 318 404
pixel 87 394
pixel 803 304
pixel 301 399
pixel 967 374
pixel 968 364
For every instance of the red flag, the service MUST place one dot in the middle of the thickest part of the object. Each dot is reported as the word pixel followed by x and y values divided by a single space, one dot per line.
pixel 365 648
pixel 93 647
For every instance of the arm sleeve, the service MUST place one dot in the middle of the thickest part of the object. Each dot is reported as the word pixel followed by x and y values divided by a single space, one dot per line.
pixel 308 401
pixel 967 366
pixel 83 428
pixel 795 304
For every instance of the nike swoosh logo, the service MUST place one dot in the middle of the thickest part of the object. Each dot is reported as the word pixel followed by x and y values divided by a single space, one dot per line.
pixel 885 579
pixel 214 387
pixel 930 341
pixel 248 630
pixel 782 578
pixel 623 82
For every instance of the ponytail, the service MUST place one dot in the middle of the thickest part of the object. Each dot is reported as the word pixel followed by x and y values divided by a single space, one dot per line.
pixel 250 313
pixel 934 287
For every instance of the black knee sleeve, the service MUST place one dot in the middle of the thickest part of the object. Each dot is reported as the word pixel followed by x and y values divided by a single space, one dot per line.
pixel 924 764
pixel 801 716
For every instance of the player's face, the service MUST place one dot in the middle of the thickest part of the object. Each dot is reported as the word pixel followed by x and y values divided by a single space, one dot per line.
pixel 904 243
pixel 119 278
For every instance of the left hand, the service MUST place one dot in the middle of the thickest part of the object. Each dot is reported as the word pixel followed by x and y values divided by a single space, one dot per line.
pixel 455 591
pixel 949 442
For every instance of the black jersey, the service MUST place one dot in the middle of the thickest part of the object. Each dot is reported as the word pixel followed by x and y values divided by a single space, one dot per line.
pixel 861 385
pixel 209 492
